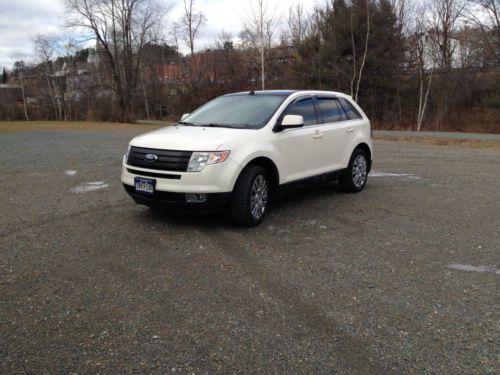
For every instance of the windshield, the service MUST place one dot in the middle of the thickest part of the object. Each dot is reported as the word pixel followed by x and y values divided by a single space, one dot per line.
pixel 236 111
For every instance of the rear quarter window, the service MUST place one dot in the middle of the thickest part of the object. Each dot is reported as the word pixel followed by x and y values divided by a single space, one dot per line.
pixel 330 110
pixel 351 112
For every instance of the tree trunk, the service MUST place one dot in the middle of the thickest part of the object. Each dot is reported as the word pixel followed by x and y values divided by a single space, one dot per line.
pixel 262 47
pixel 20 75
pixel 366 49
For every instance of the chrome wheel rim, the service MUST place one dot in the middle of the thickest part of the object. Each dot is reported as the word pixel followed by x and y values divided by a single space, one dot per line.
pixel 359 171
pixel 258 197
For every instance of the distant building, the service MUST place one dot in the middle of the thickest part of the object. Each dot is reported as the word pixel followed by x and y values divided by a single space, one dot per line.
pixel 10 94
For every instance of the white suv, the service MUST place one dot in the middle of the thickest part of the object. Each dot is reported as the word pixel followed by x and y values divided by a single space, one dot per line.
pixel 238 149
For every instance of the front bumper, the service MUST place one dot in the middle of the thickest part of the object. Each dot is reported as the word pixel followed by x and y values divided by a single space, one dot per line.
pixel 215 178
pixel 215 202
pixel 215 181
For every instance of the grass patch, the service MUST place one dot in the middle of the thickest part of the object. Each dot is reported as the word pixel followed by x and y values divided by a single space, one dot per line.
pixel 27 126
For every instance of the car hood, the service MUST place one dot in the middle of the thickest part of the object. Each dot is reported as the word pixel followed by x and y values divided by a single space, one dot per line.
pixel 188 138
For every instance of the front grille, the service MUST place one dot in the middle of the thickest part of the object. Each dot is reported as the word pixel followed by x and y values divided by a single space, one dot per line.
pixel 152 174
pixel 168 160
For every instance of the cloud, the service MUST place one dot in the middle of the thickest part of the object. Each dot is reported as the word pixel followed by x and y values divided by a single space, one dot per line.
pixel 21 20
pixel 230 15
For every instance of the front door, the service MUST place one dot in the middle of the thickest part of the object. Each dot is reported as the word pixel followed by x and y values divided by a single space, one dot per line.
pixel 302 149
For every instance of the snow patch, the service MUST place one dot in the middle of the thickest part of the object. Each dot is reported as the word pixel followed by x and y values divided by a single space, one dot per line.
pixel 469 268
pixel 384 174
pixel 410 176
pixel 90 186
pixel 70 172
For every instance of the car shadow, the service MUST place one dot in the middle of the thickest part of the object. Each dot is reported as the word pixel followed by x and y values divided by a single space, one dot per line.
pixel 303 194
pixel 281 202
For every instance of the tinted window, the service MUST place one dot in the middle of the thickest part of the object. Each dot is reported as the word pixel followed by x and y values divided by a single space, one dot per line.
pixel 331 110
pixel 304 108
pixel 352 113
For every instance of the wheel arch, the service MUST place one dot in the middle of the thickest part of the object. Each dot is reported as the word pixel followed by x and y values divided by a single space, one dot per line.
pixel 269 166
pixel 367 150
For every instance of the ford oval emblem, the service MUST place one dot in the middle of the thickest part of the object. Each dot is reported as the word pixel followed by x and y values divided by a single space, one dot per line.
pixel 151 157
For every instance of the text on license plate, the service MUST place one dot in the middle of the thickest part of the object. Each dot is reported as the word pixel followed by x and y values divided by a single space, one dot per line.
pixel 144 185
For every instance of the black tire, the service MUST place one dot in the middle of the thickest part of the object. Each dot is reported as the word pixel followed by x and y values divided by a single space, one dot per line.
pixel 241 210
pixel 351 180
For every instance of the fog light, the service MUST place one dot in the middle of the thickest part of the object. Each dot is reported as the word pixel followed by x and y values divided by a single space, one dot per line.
pixel 196 198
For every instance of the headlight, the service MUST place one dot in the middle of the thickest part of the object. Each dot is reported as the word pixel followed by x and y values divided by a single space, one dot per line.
pixel 200 159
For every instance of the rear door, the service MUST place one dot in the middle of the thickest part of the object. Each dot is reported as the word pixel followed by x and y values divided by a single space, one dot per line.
pixel 337 131
pixel 302 149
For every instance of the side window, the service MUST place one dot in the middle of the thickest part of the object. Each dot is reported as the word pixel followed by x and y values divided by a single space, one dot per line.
pixel 304 108
pixel 331 110
pixel 352 113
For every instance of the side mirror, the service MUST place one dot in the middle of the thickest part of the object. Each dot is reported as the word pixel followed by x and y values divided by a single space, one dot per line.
pixel 184 116
pixel 292 121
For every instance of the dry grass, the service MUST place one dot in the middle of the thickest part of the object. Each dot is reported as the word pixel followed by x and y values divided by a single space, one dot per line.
pixel 21 126
pixel 472 143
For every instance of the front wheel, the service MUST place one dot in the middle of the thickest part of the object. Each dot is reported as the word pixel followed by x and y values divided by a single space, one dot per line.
pixel 354 178
pixel 250 197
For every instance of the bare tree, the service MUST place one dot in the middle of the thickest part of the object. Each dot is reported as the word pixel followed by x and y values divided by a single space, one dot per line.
pixel 445 15
pixel 258 30
pixel 68 49
pixel 19 67
pixel 190 23
pixel 231 59
pixel 175 36
pixel 120 28
pixel 358 72
pixel 45 47
pixel 297 23
pixel 404 11
pixel 485 14
pixel 419 51
pixel 224 40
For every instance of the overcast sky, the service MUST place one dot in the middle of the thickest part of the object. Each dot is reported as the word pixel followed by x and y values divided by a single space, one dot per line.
pixel 20 20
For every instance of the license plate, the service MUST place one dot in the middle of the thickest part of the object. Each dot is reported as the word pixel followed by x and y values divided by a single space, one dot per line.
pixel 144 185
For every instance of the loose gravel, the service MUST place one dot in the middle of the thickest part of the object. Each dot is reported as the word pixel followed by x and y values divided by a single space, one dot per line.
pixel 338 283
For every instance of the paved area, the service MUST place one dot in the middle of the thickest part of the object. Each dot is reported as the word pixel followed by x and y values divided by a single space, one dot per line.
pixel 399 279
pixel 438 135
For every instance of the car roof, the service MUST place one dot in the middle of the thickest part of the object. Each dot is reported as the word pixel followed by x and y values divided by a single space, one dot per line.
pixel 265 92
pixel 290 92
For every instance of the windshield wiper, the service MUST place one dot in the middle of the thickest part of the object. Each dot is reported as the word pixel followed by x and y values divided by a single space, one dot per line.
pixel 186 123
pixel 213 125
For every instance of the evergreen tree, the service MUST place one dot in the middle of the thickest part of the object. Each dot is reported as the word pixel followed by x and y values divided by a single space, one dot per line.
pixel 4 76
pixel 332 52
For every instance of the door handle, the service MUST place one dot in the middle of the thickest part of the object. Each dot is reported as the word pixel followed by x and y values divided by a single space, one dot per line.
pixel 350 129
pixel 317 135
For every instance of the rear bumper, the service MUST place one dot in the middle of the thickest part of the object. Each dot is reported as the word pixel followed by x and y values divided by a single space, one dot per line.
pixel 173 201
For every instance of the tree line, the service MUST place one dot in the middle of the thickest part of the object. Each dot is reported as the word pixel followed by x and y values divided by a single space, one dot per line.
pixel 410 64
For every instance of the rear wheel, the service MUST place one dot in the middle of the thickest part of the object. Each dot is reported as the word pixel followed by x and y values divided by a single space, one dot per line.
pixel 250 196
pixel 354 178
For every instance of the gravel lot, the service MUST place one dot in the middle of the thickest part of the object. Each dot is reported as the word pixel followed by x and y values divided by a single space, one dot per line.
pixel 402 278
